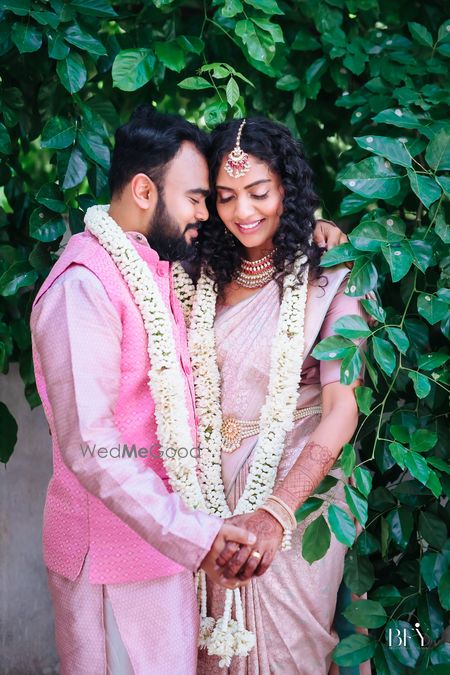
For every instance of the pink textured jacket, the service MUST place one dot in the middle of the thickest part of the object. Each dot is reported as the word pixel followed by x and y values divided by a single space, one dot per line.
pixel 120 509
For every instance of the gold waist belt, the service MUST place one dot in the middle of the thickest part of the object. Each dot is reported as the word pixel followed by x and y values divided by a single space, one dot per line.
pixel 234 431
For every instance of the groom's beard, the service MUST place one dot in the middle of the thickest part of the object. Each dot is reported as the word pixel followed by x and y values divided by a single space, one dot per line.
pixel 165 237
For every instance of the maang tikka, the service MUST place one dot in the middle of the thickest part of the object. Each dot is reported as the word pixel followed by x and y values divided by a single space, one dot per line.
pixel 237 164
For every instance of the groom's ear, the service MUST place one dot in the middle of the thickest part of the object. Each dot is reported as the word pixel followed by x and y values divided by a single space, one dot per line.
pixel 144 192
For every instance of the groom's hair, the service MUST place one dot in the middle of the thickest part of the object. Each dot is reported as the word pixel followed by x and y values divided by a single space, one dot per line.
pixel 147 143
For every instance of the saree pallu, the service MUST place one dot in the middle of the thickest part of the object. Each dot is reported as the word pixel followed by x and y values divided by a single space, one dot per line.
pixel 291 607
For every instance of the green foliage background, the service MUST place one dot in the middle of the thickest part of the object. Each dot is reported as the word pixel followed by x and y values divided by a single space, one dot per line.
pixel 365 84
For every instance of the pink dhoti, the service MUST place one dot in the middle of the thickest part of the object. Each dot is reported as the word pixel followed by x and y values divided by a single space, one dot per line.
pixel 144 628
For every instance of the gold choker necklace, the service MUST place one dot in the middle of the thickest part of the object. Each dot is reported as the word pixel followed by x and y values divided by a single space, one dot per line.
pixel 256 273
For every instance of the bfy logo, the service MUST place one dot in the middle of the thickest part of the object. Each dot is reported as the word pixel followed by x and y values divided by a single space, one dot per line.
pixel 398 637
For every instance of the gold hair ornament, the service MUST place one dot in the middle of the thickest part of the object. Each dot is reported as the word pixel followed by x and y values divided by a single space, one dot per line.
pixel 237 164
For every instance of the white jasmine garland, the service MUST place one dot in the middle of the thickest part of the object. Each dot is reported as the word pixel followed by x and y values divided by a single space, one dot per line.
pixel 229 637
pixel 184 289
pixel 165 380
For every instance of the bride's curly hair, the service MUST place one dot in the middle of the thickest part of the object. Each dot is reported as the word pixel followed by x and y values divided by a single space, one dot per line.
pixel 272 143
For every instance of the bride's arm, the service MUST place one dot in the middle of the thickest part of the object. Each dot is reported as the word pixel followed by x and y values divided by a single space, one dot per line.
pixel 338 423
pixel 337 426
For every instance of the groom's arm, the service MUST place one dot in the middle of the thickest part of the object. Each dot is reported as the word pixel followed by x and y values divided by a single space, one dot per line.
pixel 77 337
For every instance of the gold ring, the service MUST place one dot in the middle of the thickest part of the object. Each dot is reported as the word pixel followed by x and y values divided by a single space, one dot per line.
pixel 256 554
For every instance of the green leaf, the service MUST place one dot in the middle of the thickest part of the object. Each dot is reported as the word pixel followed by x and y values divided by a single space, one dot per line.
pixel 439 463
pixel 26 37
pixel 431 308
pixel 444 590
pixel 215 113
pixel 358 573
pixel 417 466
pixel 354 649
pixel 232 92
pixel 366 613
pixel 72 72
pixel 45 225
pixel 438 151
pixel 171 54
pixel 372 177
pixel 266 6
pixel 398 117
pixel 384 354
pixel 432 529
pixel 369 236
pixel 357 503
pixel 308 507
pixel 421 384
pixel 46 18
pixel 398 453
pixel 288 83
pixel 194 83
pixel 58 133
pixel 304 42
pixel 364 399
pixel 231 8
pixel 325 485
pixel 341 525
pixel 424 187
pixel 315 71
pixel 339 254
pixel 434 484
pixel 57 48
pixel 367 543
pixel 444 182
pixel 399 338
pixel 353 203
pixel 19 275
pixel 351 367
pixel 72 168
pixel 432 361
pixel 78 37
pixel 441 228
pixel 374 309
pixel 399 258
pixel 98 8
pixel 390 148
pixel 352 326
pixel 432 567
pixel 363 277
pixel 363 480
pixel 8 426
pixel 334 347
pixel 348 459
pixel 5 140
pixel 50 196
pixel 422 251
pixel 95 148
pixel 420 34
pixel 19 7
pixel 133 68
pixel 423 440
pixel 401 524
pixel 316 540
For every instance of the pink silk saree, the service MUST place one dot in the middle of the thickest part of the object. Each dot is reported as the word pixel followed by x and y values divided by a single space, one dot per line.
pixel 291 608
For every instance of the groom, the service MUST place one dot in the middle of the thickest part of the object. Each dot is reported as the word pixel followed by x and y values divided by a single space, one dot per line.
pixel 119 545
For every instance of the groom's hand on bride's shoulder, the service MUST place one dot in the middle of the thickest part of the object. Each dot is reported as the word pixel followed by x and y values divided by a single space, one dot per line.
pixel 247 561
pixel 327 235
pixel 229 536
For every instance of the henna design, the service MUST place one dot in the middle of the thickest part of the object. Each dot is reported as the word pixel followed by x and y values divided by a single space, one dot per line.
pixel 304 476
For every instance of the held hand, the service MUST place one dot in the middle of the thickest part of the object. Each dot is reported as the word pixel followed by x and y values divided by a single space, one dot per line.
pixel 243 563
pixel 328 235
pixel 228 536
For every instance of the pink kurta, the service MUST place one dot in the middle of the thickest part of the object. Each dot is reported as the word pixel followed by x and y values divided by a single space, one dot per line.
pixel 80 331
pixel 291 607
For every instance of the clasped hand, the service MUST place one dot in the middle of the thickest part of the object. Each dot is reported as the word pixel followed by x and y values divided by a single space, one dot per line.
pixel 237 559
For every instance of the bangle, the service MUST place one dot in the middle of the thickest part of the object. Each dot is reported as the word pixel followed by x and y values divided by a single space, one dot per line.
pixel 285 516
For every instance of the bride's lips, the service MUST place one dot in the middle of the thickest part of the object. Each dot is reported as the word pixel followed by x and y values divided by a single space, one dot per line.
pixel 250 227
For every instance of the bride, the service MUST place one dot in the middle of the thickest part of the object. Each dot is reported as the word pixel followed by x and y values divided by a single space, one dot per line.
pixel 262 303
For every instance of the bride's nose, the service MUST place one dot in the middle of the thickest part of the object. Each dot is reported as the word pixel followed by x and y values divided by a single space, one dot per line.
pixel 244 210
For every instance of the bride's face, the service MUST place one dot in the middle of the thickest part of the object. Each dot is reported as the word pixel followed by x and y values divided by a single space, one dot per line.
pixel 250 206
